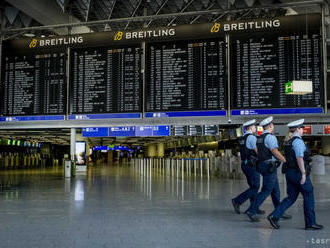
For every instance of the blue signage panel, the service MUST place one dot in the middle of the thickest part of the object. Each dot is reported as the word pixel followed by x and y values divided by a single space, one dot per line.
pixel 186 114
pixel 143 131
pixel 128 131
pixel 100 148
pixel 112 148
pixel 277 111
pixel 161 131
pixel 106 116
pixel 33 118
pixel 95 132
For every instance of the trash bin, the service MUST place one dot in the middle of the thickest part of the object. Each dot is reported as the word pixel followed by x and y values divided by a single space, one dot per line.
pixel 67 168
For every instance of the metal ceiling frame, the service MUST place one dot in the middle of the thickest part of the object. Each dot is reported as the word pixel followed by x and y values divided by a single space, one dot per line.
pixel 110 13
pixel 134 12
pixel 159 9
pixel 197 17
pixel 163 16
pixel 88 10
pixel 181 11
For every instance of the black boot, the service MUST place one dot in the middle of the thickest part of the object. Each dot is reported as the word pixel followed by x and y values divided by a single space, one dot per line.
pixel 236 206
pixel 260 212
pixel 273 221
pixel 252 217
pixel 314 227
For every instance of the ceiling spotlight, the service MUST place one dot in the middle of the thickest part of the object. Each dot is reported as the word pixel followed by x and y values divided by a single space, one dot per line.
pixel 29 34
pixel 290 11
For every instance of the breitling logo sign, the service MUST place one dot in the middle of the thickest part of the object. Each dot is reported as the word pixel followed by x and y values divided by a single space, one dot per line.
pixel 242 26
pixel 144 34
pixel 215 28
pixel 118 36
pixel 33 43
pixel 56 42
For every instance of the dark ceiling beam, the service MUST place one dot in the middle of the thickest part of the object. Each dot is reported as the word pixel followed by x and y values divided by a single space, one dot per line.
pixel 88 10
pixel 245 14
pixel 219 17
pixel 48 13
pixel 134 12
pixel 163 16
pixel 181 11
pixel 158 11
pixel 110 13
pixel 197 17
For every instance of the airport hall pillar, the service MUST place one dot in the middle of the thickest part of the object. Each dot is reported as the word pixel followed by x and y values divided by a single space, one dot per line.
pixel 152 152
pixel 326 145
pixel 110 157
pixel 73 144
pixel 160 150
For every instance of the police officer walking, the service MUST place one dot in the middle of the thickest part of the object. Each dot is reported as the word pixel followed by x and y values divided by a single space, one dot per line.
pixel 297 178
pixel 267 165
pixel 248 150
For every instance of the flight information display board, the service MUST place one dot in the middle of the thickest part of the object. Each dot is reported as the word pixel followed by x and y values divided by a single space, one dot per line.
pixel 34 84
pixel 261 64
pixel 186 75
pixel 106 80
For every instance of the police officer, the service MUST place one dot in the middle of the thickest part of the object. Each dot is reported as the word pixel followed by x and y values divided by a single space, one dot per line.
pixel 267 154
pixel 248 150
pixel 297 178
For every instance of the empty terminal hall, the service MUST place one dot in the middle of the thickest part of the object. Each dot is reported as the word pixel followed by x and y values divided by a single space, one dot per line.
pixel 164 123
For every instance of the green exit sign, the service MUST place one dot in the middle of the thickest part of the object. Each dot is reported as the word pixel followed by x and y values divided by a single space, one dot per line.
pixel 289 87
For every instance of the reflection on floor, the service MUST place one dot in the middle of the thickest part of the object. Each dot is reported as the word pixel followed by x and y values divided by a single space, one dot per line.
pixel 120 207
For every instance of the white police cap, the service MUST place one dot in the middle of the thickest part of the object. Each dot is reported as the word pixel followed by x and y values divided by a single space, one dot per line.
pixel 266 121
pixel 296 124
pixel 249 123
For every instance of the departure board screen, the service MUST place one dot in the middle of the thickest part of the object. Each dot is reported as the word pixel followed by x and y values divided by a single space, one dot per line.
pixel 186 75
pixel 106 80
pixel 263 63
pixel 34 84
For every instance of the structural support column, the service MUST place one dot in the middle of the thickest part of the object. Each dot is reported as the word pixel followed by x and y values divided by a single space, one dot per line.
pixel 160 150
pixel 152 152
pixel 73 144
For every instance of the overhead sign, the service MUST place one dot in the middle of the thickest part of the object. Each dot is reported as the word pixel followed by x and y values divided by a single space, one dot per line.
pixel 277 111
pixel 127 131
pixel 205 30
pixel 95 132
pixel 298 87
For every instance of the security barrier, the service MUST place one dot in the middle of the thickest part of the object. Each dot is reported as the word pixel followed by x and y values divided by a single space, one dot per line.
pixel 224 167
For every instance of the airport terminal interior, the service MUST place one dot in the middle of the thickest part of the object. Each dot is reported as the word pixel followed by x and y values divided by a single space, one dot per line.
pixel 121 121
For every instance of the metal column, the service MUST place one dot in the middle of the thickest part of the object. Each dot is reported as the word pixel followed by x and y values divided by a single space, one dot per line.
pixel 73 144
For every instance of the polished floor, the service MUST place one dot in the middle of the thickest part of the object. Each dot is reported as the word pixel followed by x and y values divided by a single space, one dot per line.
pixel 121 207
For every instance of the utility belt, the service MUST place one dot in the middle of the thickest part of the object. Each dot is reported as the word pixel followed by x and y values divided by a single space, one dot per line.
pixel 293 165
pixel 252 161
pixel 272 165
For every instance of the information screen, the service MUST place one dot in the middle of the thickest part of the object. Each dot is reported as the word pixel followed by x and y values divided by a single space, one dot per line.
pixel 106 80
pixel 186 75
pixel 34 84
pixel 263 63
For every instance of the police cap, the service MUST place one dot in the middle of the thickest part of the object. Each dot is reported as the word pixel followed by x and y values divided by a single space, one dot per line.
pixel 296 124
pixel 266 121
pixel 249 123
